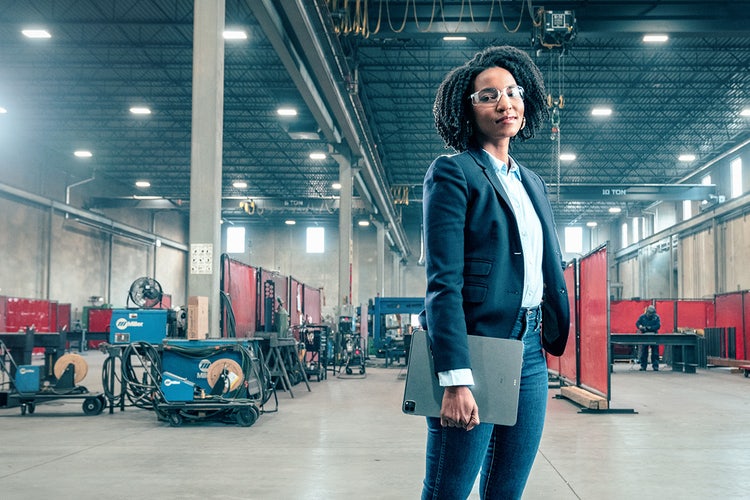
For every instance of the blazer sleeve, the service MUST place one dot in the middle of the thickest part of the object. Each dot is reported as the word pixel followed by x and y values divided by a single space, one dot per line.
pixel 445 199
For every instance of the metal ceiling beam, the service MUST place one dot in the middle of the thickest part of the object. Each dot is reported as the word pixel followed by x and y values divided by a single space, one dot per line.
pixel 632 192
pixel 688 18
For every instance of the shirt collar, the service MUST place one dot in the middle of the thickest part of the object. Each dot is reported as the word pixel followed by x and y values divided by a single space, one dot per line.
pixel 501 168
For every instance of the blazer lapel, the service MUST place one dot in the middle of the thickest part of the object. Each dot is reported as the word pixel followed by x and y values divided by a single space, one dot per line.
pixel 486 165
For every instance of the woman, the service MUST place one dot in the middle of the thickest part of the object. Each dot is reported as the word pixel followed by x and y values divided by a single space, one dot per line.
pixel 494 268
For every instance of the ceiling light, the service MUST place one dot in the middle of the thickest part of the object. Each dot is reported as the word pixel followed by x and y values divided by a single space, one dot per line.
pixel 591 224
pixel 454 38
pixel 363 223
pixel 81 153
pixel 745 112
pixel 336 185
pixel 317 156
pixel 140 110
pixel 686 157
pixel 286 112
pixel 239 184
pixel 615 210
pixel 655 38
pixel 290 222
pixel 36 33
pixel 3 110
pixel 567 157
pixel 601 111
pixel 235 35
pixel 142 184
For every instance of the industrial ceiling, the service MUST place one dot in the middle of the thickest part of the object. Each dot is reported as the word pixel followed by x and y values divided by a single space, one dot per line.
pixel 362 76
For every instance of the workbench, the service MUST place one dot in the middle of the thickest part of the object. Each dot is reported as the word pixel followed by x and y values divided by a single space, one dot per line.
pixel 684 346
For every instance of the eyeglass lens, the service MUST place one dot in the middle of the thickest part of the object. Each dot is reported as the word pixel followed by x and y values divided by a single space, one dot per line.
pixel 492 95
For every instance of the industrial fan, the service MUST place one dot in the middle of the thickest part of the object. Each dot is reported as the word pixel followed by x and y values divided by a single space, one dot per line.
pixel 145 293
pixel 144 320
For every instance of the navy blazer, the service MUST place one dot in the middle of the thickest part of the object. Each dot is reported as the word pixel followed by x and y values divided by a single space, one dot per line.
pixel 474 261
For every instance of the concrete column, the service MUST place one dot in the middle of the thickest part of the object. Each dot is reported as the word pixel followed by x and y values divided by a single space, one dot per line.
pixel 205 155
pixel 345 238
pixel 380 272
pixel 396 284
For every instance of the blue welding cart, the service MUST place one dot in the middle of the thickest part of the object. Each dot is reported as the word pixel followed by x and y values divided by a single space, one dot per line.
pixel 210 379
pixel 138 325
pixel 192 359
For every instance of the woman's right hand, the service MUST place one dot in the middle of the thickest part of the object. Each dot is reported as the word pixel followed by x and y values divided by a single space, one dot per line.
pixel 459 409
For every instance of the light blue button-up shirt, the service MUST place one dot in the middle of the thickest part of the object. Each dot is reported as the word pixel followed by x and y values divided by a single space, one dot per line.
pixel 532 245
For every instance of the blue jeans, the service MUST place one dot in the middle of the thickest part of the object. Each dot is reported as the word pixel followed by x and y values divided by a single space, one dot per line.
pixel 504 454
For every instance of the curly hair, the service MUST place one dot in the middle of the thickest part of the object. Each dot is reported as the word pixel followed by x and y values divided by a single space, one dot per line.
pixel 454 115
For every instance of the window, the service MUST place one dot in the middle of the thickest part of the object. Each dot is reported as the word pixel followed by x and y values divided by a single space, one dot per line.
pixel 624 234
pixel 235 239
pixel 687 209
pixel 636 230
pixel 316 239
pixel 706 180
pixel 735 170
pixel 574 239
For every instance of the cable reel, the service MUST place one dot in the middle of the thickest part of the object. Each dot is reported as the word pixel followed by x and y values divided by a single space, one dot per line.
pixel 225 373
pixel 80 367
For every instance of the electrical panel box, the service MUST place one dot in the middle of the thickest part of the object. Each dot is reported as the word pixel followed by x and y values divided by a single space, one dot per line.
pixel 28 378
pixel 138 325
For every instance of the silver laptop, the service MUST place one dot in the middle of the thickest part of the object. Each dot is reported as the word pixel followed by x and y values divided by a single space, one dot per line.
pixel 495 365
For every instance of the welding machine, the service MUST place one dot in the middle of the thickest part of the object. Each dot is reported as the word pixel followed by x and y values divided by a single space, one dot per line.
pixel 138 325
pixel 196 361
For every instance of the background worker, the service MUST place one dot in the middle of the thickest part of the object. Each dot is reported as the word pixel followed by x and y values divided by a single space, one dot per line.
pixel 282 318
pixel 649 322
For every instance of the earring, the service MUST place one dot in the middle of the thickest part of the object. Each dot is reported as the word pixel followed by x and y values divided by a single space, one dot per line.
pixel 523 123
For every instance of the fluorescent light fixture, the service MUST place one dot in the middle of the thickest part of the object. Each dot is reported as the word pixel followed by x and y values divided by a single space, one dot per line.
pixel 591 224
pixel 239 184
pixel 3 110
pixel 745 112
pixel 655 38
pixel 82 153
pixel 601 111
pixel 36 33
pixel 363 223
pixel 336 185
pixel 286 112
pixel 615 210
pixel 317 156
pixel 142 184
pixel 454 38
pixel 686 157
pixel 140 110
pixel 290 222
pixel 235 35
pixel 567 157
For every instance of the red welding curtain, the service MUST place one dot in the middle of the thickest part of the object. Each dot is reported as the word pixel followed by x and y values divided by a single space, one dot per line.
pixel 594 337
pixel 240 282
pixel 624 313
pixel 568 361
pixel 729 313
pixel 313 303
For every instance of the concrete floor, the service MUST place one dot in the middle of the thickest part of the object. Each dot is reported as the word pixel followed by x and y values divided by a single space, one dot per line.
pixel 348 439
